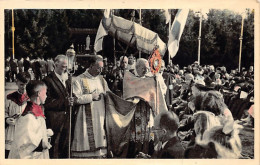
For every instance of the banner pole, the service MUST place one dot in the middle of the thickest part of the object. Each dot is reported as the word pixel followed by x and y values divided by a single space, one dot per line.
pixel 241 39
pixel 114 43
pixel 140 19
pixel 13 29
pixel 199 38
pixel 169 57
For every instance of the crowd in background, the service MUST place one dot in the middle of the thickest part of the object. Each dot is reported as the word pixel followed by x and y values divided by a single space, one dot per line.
pixel 209 104
pixel 37 68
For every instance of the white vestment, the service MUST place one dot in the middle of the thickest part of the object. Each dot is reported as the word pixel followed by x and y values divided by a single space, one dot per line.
pixel 89 135
pixel 29 132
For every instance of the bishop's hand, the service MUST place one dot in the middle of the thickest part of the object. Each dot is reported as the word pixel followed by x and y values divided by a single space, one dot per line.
pixel 96 96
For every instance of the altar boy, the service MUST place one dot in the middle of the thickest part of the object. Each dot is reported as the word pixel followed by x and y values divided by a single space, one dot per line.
pixel 31 135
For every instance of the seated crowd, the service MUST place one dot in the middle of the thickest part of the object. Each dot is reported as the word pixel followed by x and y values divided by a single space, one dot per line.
pixel 201 121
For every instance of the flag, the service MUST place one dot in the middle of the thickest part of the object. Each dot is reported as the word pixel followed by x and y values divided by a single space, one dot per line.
pixel 119 114
pixel 101 33
pixel 107 13
pixel 146 88
pixel 167 15
pixel 98 45
pixel 176 31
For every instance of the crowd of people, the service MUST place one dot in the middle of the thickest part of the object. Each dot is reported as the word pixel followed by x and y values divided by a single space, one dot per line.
pixel 37 68
pixel 202 120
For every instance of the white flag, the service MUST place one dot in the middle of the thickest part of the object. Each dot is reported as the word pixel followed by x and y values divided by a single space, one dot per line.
pixel 176 31
pixel 101 33
pixel 167 15
pixel 107 13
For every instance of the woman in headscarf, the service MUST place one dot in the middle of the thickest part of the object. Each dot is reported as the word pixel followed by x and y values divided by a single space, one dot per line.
pixel 220 142
pixel 213 101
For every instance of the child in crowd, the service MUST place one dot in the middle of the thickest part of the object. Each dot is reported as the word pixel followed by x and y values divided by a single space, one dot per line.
pixel 14 105
pixel 31 135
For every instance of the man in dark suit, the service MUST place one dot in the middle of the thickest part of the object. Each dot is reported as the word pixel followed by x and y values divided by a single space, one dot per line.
pixel 20 65
pixel 43 69
pixel 14 69
pixel 27 64
pixel 57 107
pixel 37 69
pixel 165 127
pixel 7 69
pixel 167 143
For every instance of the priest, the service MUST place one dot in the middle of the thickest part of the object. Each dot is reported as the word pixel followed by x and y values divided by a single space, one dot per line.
pixel 89 139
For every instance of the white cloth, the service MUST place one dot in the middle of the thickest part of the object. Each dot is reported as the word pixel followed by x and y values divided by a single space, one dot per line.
pixel 11 109
pixel 162 83
pixel 147 39
pixel 98 45
pixel 107 13
pixel 81 144
pixel 29 132
pixel 167 15
pixel 176 31
pixel 159 146
pixel 144 38
pixel 131 67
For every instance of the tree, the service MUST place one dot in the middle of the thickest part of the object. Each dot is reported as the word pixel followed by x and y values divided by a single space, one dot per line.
pixel 31 39
pixel 46 33
pixel 57 32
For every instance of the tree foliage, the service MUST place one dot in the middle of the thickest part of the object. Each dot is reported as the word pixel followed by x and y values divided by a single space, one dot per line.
pixel 46 33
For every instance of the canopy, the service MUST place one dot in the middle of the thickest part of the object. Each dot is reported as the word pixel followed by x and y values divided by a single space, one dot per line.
pixel 130 33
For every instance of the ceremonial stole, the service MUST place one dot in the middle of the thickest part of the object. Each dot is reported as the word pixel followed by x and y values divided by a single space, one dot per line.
pixel 86 90
pixel 88 113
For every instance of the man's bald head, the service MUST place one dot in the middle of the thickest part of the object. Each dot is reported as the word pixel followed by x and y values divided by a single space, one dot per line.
pixel 142 67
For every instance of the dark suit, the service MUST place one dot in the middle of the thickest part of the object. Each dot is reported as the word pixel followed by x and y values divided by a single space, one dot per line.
pixel 57 114
pixel 173 149
pixel 13 67
pixel 27 65
pixel 37 70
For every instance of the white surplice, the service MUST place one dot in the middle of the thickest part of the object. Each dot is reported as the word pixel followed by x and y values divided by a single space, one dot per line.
pixel 30 131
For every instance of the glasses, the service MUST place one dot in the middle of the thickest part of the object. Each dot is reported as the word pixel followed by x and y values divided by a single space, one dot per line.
pixel 153 129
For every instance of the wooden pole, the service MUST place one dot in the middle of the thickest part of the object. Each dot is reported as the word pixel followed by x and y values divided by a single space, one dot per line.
pixel 71 71
pixel 199 38
pixel 114 41
pixel 241 39
pixel 140 19
pixel 13 29
pixel 70 111
pixel 169 57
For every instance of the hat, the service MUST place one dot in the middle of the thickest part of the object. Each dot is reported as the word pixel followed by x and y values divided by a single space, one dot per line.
pixel 208 84
pixel 196 62
pixel 189 76
pixel 201 82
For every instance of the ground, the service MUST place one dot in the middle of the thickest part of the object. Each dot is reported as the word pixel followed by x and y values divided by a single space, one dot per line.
pixel 246 134
pixel 247 139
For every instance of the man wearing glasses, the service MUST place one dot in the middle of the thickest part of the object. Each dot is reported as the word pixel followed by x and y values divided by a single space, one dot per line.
pixel 167 143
